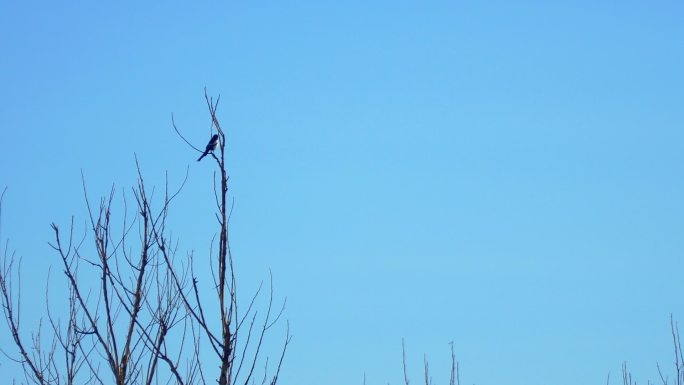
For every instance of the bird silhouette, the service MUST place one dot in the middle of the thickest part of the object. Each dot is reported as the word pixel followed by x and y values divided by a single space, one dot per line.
pixel 211 146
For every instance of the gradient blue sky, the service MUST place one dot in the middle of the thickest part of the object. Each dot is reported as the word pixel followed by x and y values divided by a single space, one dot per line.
pixel 504 175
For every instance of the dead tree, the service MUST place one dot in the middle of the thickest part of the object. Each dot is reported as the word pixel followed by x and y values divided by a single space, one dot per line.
pixel 136 313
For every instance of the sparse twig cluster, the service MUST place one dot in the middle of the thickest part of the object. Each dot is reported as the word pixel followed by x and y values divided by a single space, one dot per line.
pixel 628 379
pixel 454 373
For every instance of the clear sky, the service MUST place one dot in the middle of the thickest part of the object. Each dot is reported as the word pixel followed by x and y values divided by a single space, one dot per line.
pixel 504 175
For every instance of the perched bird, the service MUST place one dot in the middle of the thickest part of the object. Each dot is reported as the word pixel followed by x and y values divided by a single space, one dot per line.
pixel 211 146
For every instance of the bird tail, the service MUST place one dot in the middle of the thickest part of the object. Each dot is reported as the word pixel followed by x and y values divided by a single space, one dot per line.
pixel 203 155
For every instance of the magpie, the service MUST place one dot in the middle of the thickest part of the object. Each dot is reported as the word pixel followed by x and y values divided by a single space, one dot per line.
pixel 211 146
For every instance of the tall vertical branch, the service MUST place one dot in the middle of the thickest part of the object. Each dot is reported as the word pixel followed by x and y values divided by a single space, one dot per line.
pixel 224 262
pixel 679 365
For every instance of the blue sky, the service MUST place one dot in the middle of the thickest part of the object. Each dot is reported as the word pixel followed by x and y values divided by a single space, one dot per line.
pixel 503 175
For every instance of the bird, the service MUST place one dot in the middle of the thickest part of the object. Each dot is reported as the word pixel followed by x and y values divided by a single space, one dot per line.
pixel 211 146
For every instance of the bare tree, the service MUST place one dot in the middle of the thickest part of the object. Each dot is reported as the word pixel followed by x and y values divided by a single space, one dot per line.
pixel 147 319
